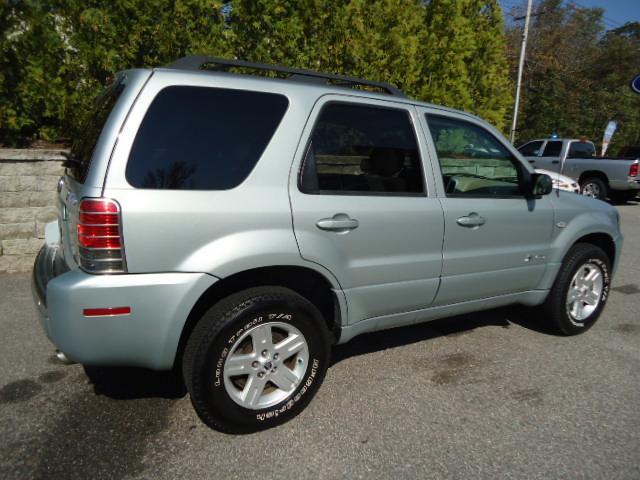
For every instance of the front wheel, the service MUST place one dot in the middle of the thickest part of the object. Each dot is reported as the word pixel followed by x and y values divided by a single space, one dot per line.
pixel 580 290
pixel 256 359
pixel 594 187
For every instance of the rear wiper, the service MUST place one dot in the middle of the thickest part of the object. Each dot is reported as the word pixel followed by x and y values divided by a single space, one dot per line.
pixel 71 160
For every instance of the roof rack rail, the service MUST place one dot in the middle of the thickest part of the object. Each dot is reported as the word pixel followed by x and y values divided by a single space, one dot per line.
pixel 198 62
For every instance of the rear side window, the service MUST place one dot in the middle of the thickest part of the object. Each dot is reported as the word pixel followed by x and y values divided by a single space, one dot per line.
pixel 199 138
pixel 552 149
pixel 530 149
pixel 581 150
pixel 85 142
pixel 362 149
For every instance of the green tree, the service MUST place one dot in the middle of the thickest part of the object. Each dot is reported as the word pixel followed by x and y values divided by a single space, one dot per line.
pixel 451 52
pixel 464 49
pixel 617 62
pixel 56 54
pixel 373 39
pixel 577 75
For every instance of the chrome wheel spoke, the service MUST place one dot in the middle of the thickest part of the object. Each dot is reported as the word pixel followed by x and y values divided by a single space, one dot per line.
pixel 239 364
pixel 592 298
pixel 290 345
pixel 285 379
pixel 591 276
pixel 573 295
pixel 261 337
pixel 253 390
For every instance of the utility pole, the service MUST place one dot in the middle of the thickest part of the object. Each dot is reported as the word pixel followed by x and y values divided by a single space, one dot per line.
pixel 523 50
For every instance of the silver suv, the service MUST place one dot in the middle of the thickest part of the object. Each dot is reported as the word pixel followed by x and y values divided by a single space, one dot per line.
pixel 237 226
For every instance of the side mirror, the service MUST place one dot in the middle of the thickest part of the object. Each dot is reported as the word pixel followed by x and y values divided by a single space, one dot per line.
pixel 541 184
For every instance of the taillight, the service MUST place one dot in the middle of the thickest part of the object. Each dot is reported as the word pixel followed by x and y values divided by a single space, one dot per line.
pixel 100 242
pixel 633 170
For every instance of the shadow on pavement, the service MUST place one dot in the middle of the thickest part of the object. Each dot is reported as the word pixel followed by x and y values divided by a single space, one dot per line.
pixel 126 383
pixel 452 326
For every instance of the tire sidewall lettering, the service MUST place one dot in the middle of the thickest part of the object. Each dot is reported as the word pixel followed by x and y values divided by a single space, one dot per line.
pixel 289 404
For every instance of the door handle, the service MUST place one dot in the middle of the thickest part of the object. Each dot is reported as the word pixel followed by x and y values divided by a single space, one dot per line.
pixel 555 161
pixel 339 223
pixel 532 161
pixel 473 220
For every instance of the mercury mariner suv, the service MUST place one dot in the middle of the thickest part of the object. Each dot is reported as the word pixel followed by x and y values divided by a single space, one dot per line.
pixel 235 227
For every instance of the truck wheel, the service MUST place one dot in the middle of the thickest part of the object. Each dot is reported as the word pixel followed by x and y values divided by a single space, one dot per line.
pixel 256 359
pixel 580 290
pixel 594 187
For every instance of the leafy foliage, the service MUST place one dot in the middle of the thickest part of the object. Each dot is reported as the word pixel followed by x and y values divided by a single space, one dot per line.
pixel 56 54
pixel 577 75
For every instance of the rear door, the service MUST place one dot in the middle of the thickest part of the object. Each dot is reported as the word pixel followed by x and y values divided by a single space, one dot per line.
pixel 496 240
pixel 91 152
pixel 363 208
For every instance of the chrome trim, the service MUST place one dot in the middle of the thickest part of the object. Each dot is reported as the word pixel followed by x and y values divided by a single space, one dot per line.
pixel 83 259
pixel 63 358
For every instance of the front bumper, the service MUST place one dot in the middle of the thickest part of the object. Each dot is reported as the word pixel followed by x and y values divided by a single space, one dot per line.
pixel 147 337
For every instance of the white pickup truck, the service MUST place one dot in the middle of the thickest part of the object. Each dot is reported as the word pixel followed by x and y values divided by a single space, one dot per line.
pixel 599 177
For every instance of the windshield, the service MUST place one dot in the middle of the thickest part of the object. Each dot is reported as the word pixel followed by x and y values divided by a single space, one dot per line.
pixel 85 142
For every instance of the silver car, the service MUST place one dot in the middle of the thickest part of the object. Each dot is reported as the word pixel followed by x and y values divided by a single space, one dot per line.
pixel 235 227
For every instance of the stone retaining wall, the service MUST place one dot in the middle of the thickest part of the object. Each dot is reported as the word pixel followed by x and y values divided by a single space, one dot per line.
pixel 28 180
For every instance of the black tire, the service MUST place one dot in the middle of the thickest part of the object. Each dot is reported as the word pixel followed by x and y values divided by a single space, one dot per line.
pixel 594 187
pixel 212 343
pixel 580 256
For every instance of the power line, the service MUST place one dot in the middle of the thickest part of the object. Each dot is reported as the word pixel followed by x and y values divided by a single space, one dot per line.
pixel 606 20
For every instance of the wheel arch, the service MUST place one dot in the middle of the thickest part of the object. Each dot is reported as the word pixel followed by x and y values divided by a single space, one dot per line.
pixel 602 240
pixel 593 173
pixel 305 281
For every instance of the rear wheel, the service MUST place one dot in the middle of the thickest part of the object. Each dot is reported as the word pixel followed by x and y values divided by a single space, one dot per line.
pixel 594 187
pixel 581 289
pixel 256 359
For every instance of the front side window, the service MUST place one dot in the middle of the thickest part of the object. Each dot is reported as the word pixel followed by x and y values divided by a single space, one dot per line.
pixel 552 149
pixel 530 149
pixel 200 138
pixel 362 149
pixel 473 162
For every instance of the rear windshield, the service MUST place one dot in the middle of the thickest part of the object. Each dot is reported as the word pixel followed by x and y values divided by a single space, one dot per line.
pixel 85 142
pixel 200 138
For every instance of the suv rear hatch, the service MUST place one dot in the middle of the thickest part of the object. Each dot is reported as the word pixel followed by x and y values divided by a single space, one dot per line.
pixel 88 161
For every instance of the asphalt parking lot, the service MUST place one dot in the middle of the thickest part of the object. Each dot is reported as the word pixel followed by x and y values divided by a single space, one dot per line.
pixel 490 395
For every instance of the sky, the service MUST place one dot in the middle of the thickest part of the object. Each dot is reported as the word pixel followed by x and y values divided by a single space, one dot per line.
pixel 617 12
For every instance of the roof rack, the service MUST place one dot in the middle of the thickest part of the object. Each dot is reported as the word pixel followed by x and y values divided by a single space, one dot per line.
pixel 198 62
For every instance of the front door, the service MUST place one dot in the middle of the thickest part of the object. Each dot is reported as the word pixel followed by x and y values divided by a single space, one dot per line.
pixel 361 207
pixel 496 240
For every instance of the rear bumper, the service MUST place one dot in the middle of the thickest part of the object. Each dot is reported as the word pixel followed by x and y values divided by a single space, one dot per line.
pixel 147 337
